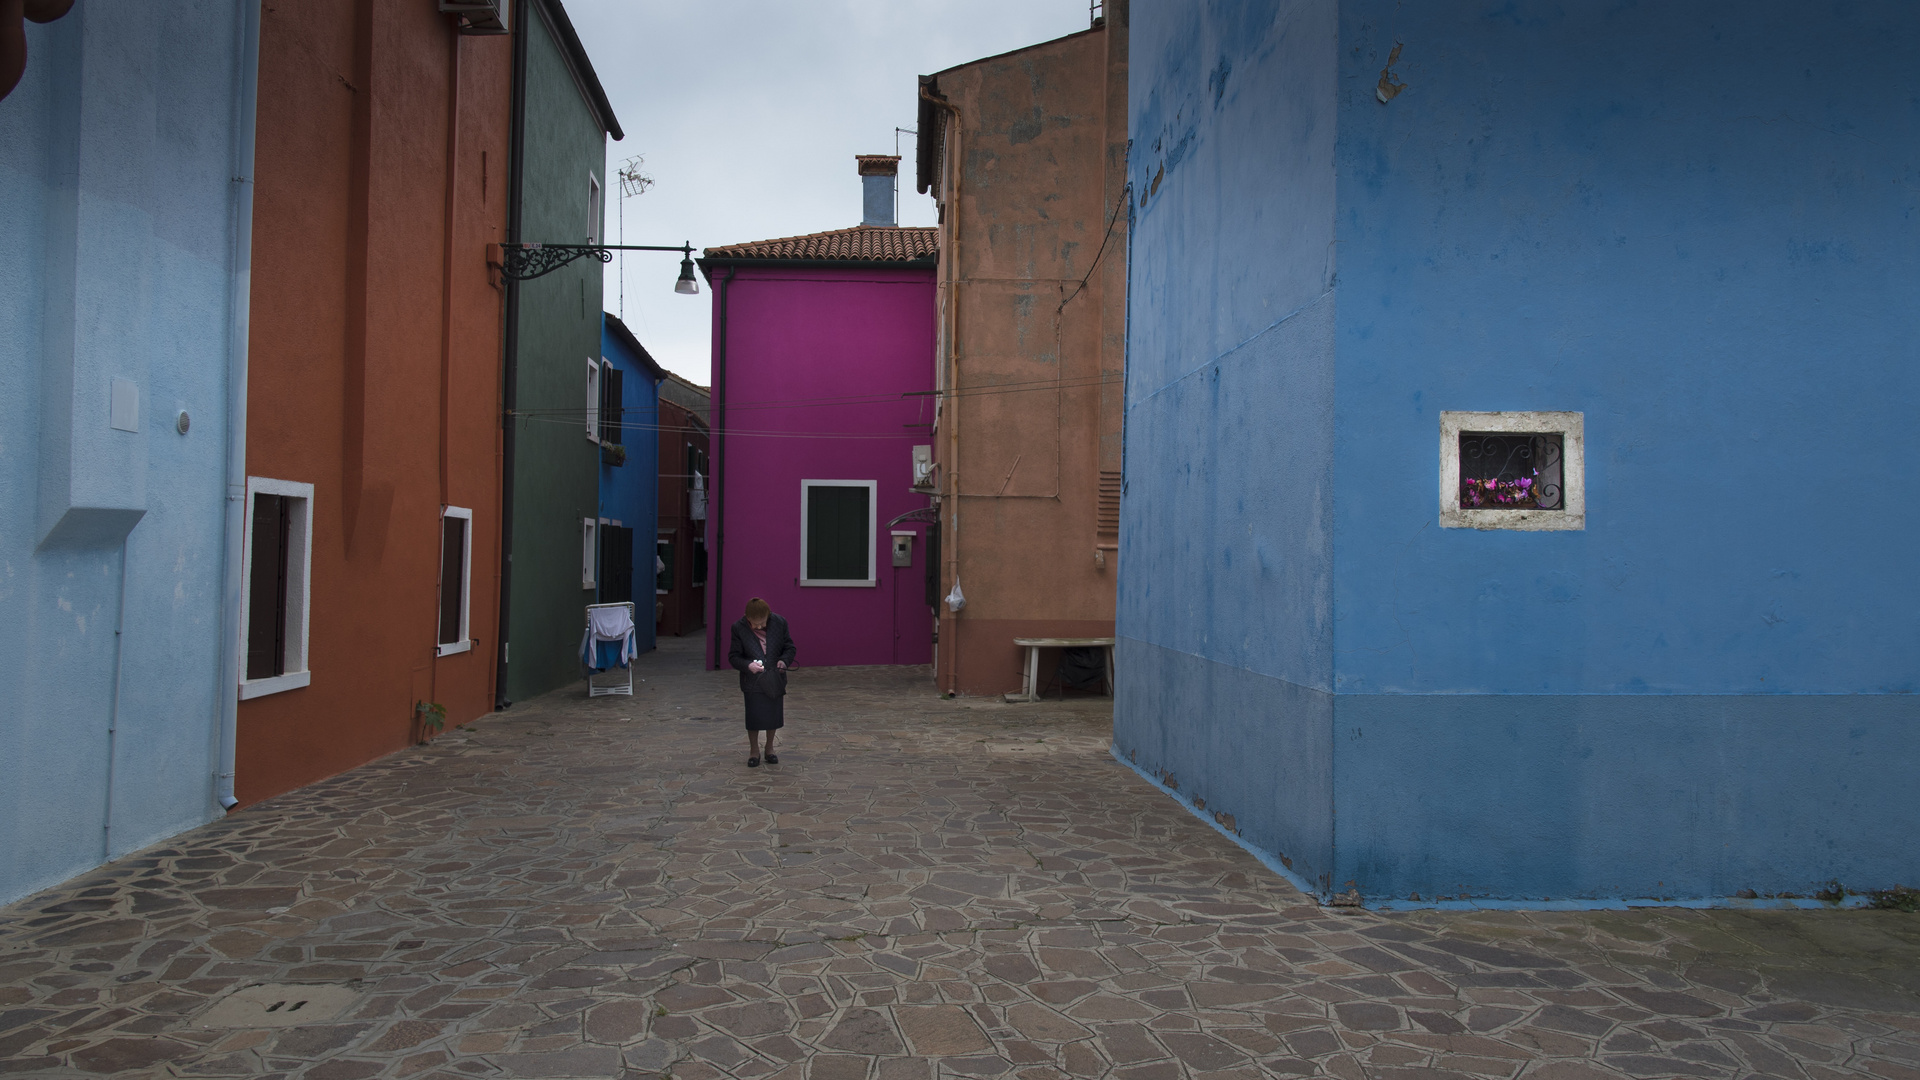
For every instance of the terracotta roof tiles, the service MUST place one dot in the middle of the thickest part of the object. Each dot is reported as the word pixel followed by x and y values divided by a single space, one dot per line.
pixel 862 243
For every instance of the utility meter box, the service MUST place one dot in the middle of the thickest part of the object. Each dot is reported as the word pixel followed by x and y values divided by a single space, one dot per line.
pixel 923 469
pixel 903 549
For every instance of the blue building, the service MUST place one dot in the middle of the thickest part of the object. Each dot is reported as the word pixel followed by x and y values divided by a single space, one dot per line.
pixel 1639 286
pixel 123 306
pixel 629 473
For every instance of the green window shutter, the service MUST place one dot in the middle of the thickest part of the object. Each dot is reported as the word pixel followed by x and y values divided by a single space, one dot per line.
pixel 838 533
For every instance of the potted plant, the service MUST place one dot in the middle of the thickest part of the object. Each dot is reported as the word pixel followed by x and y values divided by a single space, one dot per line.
pixel 613 453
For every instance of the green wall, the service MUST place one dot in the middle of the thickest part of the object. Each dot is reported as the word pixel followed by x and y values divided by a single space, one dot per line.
pixel 555 467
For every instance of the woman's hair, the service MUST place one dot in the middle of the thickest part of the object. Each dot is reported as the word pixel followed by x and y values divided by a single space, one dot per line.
pixel 758 609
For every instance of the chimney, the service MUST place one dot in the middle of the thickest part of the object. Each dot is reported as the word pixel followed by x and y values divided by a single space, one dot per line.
pixel 878 174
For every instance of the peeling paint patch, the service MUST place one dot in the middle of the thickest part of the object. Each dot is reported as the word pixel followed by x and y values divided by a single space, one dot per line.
pixel 1389 87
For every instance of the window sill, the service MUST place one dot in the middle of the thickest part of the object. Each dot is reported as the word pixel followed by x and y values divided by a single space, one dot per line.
pixel 456 647
pixel 293 680
pixel 838 583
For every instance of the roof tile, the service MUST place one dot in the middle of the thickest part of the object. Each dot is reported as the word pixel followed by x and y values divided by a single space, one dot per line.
pixel 862 243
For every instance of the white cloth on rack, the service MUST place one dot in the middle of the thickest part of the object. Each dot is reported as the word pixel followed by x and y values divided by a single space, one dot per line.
pixel 608 622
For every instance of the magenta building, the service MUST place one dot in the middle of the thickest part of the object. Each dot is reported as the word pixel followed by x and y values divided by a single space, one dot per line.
pixel 823 372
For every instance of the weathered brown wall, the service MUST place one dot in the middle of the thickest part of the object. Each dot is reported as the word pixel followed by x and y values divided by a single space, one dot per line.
pixel 374 362
pixel 1033 319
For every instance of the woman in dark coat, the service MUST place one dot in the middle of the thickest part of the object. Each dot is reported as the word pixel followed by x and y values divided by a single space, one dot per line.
pixel 762 651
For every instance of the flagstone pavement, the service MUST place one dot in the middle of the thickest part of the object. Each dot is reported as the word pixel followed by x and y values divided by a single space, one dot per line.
pixel 921 888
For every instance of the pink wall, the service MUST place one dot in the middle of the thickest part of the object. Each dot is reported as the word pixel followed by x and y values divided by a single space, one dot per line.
pixel 793 337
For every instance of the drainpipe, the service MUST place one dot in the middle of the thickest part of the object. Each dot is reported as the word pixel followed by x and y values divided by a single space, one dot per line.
pixel 510 349
pixel 239 290
pixel 950 403
pixel 716 519
pixel 446 325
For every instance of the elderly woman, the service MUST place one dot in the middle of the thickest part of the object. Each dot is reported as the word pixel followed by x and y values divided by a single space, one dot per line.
pixel 762 651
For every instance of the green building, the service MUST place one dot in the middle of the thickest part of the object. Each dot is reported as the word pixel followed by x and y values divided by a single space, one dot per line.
pixel 561 120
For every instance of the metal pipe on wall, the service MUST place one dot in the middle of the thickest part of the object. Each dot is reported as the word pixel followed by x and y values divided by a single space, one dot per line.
pixel 240 287
pixel 716 513
pixel 510 349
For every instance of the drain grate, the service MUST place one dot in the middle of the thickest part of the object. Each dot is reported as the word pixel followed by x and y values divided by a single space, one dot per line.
pixel 278 1005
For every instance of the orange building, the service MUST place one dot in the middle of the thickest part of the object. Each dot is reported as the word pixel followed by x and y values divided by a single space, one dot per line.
pixel 373 385
pixel 1026 154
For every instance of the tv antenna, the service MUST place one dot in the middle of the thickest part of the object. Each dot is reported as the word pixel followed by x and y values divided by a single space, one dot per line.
pixel 632 182
pixel 897 132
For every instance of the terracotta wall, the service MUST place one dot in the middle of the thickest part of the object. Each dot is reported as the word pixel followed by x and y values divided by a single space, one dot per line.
pixel 1033 321
pixel 374 366
pixel 681 611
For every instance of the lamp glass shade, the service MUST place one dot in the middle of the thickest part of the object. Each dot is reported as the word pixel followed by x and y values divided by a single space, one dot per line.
pixel 687 285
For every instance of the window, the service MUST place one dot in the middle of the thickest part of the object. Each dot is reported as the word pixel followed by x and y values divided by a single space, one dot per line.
pixel 277 584
pixel 593 209
pixel 616 562
pixel 1513 470
pixel 663 566
pixel 456 573
pixel 836 532
pixel 699 562
pixel 589 551
pixel 593 400
pixel 612 404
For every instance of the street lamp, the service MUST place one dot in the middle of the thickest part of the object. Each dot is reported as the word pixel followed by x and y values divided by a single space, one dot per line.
pixel 524 262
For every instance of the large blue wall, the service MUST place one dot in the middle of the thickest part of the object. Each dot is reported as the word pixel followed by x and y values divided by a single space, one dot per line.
pixel 1695 224
pixel 630 493
pixel 120 151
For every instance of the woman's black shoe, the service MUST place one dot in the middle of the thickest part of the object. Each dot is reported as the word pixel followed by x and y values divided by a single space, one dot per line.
pixel 753 763
pixel 773 759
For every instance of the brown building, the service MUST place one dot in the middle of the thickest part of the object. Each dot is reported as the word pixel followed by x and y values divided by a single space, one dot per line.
pixel 1025 154
pixel 686 475
pixel 373 385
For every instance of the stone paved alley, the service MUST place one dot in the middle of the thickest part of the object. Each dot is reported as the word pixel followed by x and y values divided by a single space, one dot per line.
pixel 922 888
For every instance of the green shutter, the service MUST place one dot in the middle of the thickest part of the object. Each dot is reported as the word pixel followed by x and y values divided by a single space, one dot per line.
pixel 838 533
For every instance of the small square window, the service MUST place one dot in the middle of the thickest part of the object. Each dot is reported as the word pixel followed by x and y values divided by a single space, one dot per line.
pixel 1512 470
pixel 278 582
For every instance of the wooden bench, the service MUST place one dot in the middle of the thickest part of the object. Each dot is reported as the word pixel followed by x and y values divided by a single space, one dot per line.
pixel 1030 686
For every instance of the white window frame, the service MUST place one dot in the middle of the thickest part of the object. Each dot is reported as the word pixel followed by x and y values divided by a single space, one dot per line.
pixel 593 209
pixel 593 399
pixel 873 508
pixel 1570 426
pixel 589 553
pixel 466 582
pixel 299 589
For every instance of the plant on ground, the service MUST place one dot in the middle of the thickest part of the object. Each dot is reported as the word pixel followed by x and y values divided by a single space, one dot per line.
pixel 433 718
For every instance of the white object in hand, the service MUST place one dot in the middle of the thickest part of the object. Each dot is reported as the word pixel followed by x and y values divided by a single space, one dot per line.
pixel 756 667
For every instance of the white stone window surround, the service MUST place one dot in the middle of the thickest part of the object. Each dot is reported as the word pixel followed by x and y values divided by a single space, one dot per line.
pixel 1570 426
pixel 464 642
pixel 872 580
pixel 299 587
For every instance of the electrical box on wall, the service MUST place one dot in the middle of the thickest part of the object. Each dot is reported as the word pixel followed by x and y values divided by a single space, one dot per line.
pixel 923 469
pixel 903 549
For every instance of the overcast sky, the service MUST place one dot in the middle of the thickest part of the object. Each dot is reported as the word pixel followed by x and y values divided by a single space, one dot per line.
pixel 749 114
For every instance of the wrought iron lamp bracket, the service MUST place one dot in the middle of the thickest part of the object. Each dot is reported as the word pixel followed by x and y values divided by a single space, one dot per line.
pixel 524 262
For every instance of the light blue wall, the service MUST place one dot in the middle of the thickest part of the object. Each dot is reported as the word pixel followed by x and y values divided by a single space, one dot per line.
pixel 120 149
pixel 1225 609
pixel 630 494
pixel 1697 225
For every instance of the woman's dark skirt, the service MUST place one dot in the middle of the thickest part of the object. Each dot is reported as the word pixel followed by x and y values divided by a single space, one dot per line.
pixel 765 713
